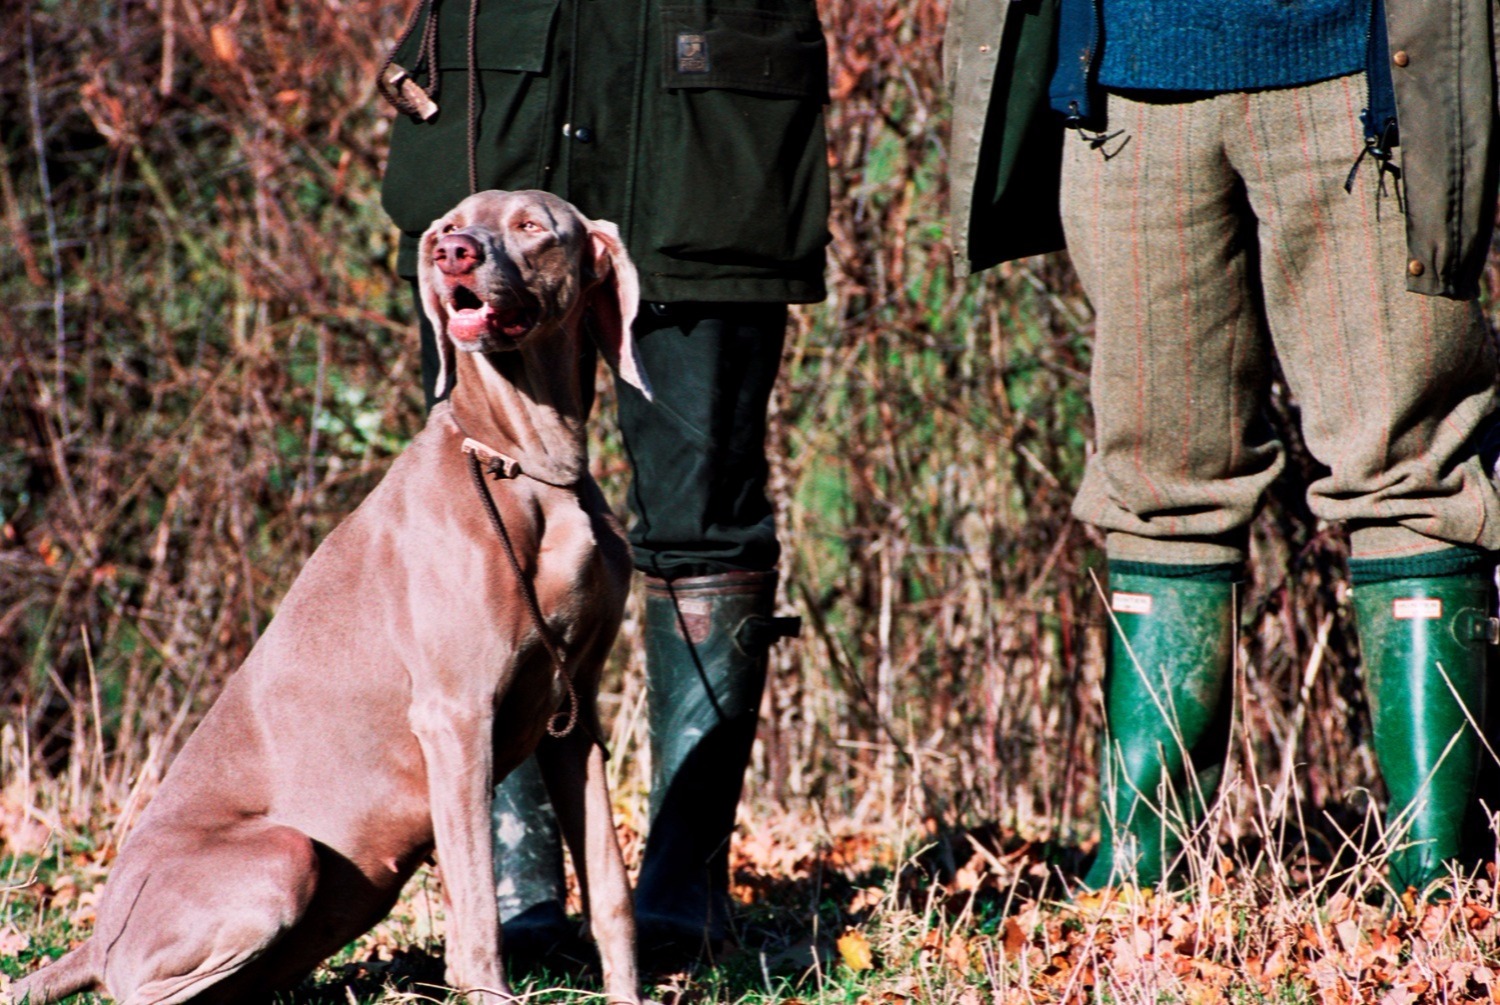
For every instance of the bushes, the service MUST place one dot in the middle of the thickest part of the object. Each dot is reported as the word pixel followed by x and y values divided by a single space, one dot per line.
pixel 211 361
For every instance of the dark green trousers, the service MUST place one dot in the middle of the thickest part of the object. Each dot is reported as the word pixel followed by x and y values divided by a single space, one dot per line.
pixel 697 451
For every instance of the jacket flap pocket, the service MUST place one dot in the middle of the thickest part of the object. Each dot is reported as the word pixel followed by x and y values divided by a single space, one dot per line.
pixel 512 36
pixel 746 50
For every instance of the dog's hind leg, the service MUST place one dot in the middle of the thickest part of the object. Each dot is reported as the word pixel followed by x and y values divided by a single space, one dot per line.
pixel 73 972
pixel 192 917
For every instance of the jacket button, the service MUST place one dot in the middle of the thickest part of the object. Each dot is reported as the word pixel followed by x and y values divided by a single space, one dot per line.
pixel 1400 58
pixel 1415 268
pixel 984 48
pixel 583 134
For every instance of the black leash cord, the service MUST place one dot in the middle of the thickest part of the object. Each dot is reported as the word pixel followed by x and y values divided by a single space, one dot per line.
pixel 427 59
pixel 529 592
pixel 473 124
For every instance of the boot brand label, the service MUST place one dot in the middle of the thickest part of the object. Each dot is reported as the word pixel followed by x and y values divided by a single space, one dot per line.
pixel 1130 603
pixel 1416 608
pixel 695 620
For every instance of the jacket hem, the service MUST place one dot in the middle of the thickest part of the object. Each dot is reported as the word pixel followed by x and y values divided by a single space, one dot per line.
pixel 667 290
pixel 674 290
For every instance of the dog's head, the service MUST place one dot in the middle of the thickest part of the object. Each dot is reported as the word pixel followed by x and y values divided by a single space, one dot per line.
pixel 503 269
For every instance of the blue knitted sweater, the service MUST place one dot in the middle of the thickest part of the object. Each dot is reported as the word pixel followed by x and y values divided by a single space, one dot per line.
pixel 1229 45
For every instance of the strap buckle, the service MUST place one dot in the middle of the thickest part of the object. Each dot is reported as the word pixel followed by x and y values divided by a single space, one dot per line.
pixel 1475 626
pixel 758 634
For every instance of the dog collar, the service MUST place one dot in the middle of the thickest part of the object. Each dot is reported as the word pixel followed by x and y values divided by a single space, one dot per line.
pixel 499 465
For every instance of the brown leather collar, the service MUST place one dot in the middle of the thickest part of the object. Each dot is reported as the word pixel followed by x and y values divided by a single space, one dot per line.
pixel 497 464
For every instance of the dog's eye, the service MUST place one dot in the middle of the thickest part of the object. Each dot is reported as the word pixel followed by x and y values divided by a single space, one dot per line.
pixel 531 227
pixel 449 228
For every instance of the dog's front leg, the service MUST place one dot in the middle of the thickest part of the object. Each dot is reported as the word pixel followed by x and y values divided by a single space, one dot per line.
pixel 574 770
pixel 456 736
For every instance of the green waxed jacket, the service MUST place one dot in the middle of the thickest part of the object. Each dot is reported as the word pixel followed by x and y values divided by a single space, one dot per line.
pixel 695 125
pixel 1005 153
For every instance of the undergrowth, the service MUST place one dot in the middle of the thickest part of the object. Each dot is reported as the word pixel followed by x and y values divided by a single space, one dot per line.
pixel 832 914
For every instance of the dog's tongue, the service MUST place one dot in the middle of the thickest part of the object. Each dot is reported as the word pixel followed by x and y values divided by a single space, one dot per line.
pixel 470 323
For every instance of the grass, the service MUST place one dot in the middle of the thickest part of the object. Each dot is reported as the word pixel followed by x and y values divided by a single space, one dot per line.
pixel 860 914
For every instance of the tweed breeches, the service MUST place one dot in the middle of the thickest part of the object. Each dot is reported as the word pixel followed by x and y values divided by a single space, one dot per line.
pixel 1220 235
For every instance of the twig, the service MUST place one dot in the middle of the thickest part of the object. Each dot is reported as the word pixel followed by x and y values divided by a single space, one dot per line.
pixel 34 106
pixel 1309 677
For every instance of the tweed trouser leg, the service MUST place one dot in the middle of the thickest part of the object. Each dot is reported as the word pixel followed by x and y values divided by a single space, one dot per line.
pixel 1219 234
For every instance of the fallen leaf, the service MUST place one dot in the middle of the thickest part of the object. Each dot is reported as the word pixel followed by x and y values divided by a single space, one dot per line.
pixel 956 953
pixel 970 876
pixel 225 45
pixel 865 899
pixel 855 951
pixel 1015 937
pixel 13 941
pixel 1348 933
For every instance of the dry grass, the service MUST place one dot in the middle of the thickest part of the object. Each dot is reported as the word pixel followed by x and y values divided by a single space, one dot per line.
pixel 866 912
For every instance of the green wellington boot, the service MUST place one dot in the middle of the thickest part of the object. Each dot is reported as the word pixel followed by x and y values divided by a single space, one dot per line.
pixel 707 643
pixel 1167 709
pixel 1414 632
pixel 529 885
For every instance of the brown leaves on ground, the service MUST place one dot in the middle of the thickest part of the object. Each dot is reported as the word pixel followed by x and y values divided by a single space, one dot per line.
pixel 1130 945
pixel 897 930
pixel 70 893
pixel 1235 935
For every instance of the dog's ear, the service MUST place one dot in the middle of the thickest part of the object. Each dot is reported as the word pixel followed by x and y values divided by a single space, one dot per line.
pixel 613 297
pixel 432 306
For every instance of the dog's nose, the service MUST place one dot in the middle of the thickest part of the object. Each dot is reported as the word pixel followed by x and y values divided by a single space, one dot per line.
pixel 458 254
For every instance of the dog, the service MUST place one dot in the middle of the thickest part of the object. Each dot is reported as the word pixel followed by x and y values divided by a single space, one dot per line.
pixel 426 649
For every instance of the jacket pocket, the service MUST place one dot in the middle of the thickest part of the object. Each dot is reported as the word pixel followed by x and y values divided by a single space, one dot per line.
pixel 515 35
pixel 735 151
pixel 763 52
pixel 427 170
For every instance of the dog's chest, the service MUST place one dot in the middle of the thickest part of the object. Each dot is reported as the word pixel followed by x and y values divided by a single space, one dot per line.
pixel 576 579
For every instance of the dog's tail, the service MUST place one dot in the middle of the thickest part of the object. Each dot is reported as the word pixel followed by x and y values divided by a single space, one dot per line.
pixel 73 972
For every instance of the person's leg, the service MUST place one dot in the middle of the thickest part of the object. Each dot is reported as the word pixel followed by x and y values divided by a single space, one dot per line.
pixel 1168 709
pixel 1163 242
pixel 530 891
pixel 1397 392
pixel 697 448
pixel 1425 628
pixel 427 340
pixel 704 535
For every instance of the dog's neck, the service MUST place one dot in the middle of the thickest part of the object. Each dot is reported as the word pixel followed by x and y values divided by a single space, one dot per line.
pixel 527 407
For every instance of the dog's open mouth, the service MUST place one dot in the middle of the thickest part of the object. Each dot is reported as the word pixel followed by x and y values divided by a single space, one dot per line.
pixel 471 318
